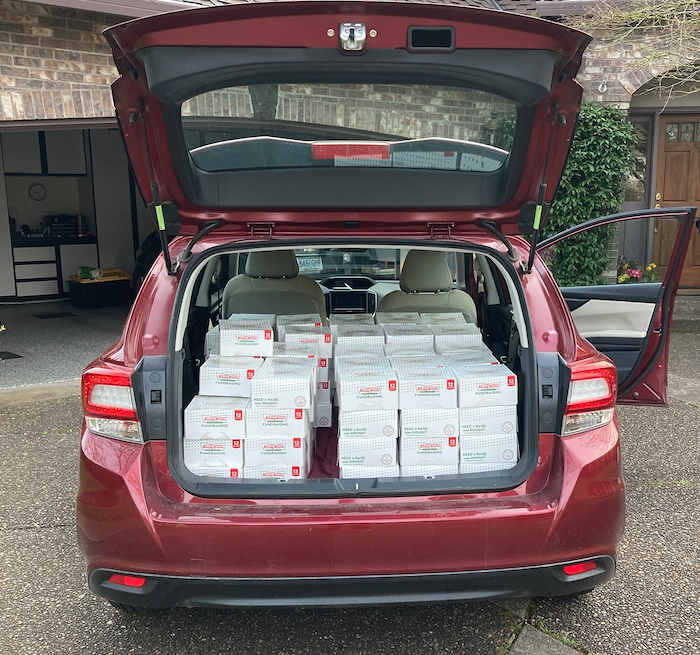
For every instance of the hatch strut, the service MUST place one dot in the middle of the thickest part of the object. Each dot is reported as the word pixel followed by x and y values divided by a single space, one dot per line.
pixel 155 206
pixel 542 208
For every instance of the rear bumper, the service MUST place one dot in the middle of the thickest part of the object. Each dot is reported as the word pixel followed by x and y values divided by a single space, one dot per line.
pixel 161 592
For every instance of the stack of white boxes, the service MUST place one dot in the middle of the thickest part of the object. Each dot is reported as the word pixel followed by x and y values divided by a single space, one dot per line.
pixel 367 392
pixel 280 438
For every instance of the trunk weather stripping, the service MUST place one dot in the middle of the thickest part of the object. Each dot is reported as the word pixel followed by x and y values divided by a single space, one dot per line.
pixel 186 254
pixel 491 227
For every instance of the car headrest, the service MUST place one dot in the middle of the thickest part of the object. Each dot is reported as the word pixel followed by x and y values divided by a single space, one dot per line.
pixel 425 271
pixel 273 264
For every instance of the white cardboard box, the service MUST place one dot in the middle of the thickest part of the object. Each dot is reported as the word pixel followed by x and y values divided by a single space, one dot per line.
pixel 370 451
pixel 274 421
pixel 369 472
pixel 321 337
pixel 245 338
pixel 430 423
pixel 426 387
pixel 479 467
pixel 228 376
pixel 383 318
pixel 200 451
pixel 211 342
pixel 323 417
pixel 217 469
pixel 481 385
pixel 284 382
pixel 356 351
pixel 334 320
pixel 216 417
pixel 284 349
pixel 323 392
pixel 402 349
pixel 286 320
pixel 479 355
pixel 498 419
pixel 400 333
pixel 367 387
pixel 275 472
pixel 418 451
pixel 488 449
pixel 360 335
pixel 467 334
pixel 422 359
pixel 278 451
pixel 448 318
pixel 428 471
pixel 383 422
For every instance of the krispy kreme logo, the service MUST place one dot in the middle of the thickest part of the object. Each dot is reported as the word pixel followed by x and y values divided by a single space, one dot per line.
pixel 226 377
pixel 368 390
pixel 488 386
pixel 429 446
pixel 275 418
pixel 273 446
pixel 214 420
pixel 213 447
pixel 246 338
pixel 427 388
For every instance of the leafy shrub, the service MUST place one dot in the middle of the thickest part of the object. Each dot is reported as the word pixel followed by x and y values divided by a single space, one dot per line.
pixel 591 187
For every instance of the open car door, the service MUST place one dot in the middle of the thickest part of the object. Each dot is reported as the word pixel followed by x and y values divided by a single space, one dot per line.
pixel 622 299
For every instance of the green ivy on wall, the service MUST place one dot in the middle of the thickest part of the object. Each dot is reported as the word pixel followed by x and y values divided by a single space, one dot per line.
pixel 591 187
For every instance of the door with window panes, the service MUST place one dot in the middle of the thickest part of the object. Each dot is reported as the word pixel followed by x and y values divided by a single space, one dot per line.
pixel 677 184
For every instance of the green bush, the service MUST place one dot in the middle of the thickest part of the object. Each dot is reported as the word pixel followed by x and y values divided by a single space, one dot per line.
pixel 591 187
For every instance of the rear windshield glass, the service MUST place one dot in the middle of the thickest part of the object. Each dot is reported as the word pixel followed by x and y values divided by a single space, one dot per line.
pixel 361 125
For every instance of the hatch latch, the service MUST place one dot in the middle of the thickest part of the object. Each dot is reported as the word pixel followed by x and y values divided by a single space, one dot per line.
pixel 261 230
pixel 440 230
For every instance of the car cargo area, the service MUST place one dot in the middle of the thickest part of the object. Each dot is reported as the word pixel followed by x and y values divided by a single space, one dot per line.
pixel 403 366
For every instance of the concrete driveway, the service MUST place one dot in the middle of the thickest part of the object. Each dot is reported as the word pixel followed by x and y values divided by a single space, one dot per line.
pixel 651 606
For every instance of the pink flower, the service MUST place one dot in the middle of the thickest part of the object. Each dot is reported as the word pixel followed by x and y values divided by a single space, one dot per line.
pixel 635 273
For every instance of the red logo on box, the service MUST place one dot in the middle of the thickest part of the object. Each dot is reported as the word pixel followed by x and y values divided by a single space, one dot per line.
pixel 323 363
pixel 323 385
pixel 327 338
pixel 450 384
pixel 298 414
pixel 268 335
pixel 234 473
pixel 392 385
pixel 237 414
pixel 250 373
pixel 296 442
pixel 295 472
pixel 452 442
pixel 511 380
pixel 235 443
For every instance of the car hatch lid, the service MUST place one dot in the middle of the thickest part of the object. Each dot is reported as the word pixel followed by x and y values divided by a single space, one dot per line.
pixel 222 111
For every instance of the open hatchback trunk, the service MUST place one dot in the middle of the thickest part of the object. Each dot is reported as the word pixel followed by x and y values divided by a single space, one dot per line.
pixel 348 181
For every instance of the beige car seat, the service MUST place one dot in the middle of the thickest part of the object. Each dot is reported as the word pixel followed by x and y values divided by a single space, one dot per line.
pixel 271 284
pixel 426 286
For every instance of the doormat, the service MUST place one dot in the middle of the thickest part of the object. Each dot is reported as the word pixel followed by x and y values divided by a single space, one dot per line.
pixel 6 354
pixel 53 315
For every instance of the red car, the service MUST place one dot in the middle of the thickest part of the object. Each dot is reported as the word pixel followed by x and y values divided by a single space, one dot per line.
pixel 364 170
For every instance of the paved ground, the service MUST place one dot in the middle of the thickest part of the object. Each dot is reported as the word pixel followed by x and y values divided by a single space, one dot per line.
pixel 651 606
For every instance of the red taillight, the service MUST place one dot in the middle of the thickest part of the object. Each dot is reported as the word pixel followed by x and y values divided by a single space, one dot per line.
pixel 127 580
pixel 592 395
pixel 108 393
pixel 580 567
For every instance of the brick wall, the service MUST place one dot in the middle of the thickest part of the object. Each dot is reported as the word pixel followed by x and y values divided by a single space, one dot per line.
pixel 54 62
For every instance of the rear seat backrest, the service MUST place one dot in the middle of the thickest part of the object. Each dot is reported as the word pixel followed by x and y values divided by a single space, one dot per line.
pixel 271 284
pixel 426 286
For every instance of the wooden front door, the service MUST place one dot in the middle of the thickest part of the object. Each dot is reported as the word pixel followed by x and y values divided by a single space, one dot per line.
pixel 677 185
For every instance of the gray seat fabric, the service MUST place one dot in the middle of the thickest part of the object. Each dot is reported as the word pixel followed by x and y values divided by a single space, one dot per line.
pixel 271 284
pixel 426 286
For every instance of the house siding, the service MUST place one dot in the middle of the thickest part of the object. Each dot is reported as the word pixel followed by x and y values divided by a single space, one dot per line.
pixel 54 62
